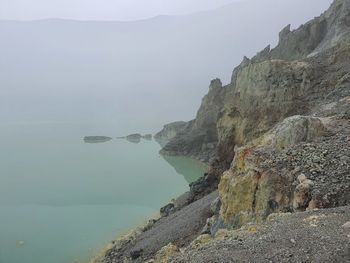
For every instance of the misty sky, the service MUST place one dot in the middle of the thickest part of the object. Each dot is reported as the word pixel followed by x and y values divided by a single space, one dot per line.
pixel 102 9
pixel 148 72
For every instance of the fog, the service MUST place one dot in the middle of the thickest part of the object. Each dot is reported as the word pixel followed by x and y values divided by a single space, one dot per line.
pixel 102 10
pixel 151 71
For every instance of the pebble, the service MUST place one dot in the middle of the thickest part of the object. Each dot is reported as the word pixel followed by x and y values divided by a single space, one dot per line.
pixel 346 225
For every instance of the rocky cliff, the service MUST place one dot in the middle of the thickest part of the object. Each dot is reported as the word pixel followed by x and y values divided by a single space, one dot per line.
pixel 290 79
pixel 169 131
pixel 195 140
pixel 280 129
pixel 278 141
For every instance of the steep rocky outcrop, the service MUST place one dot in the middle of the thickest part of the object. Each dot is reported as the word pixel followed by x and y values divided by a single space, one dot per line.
pixel 281 173
pixel 281 122
pixel 324 32
pixel 303 161
pixel 194 141
pixel 169 131
pixel 277 138
pixel 287 80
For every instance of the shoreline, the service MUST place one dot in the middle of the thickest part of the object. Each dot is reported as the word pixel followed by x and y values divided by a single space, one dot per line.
pixel 179 228
pixel 189 158
pixel 145 224
pixel 123 236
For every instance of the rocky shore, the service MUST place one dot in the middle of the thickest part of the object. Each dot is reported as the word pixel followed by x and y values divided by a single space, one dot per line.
pixel 277 139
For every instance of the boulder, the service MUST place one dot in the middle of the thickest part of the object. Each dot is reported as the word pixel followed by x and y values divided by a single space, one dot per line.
pixel 167 210
pixel 293 130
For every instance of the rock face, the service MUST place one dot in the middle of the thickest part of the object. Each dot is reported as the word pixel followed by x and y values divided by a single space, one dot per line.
pixel 322 33
pixel 169 131
pixel 96 139
pixel 274 174
pixel 266 89
pixel 277 138
pixel 199 137
pixel 278 103
pixel 294 130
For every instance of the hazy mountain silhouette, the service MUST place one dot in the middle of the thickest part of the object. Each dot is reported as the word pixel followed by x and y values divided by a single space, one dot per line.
pixel 69 70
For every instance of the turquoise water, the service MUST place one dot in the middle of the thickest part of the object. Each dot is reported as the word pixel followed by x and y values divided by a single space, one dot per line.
pixel 61 199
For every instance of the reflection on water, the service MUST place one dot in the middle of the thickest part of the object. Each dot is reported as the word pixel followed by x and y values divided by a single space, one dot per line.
pixel 61 197
pixel 96 139
pixel 134 140
pixel 190 169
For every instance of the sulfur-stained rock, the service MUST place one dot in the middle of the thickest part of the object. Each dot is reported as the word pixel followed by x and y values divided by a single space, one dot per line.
pixel 277 138
pixel 201 240
pixel 251 191
pixel 253 196
pixel 165 253
pixel 302 193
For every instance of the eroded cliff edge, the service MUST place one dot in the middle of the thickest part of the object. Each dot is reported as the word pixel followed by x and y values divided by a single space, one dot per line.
pixel 278 141
pixel 306 74
pixel 290 79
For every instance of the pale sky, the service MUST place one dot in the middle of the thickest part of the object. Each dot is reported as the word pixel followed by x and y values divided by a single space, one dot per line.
pixel 102 9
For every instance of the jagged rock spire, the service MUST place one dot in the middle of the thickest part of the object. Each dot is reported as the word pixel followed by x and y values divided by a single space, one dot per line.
pixel 215 83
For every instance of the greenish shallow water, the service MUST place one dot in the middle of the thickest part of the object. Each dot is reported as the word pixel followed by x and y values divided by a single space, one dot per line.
pixel 62 199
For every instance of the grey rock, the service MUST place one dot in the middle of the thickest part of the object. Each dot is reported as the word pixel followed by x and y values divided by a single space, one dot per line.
pixel 147 137
pixel 169 131
pixel 215 206
pixel 134 138
pixel 96 139
pixel 167 210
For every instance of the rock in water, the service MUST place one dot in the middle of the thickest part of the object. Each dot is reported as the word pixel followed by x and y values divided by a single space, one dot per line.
pixel 20 243
pixel 96 139
pixel 134 138
pixel 147 137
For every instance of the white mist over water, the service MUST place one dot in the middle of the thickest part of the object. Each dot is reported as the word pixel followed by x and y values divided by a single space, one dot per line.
pixel 62 199
pixel 152 71
pixel 106 10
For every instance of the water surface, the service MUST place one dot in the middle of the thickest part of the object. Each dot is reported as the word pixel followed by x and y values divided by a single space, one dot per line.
pixel 61 199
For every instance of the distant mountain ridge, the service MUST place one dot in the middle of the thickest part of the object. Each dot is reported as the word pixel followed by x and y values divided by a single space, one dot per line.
pixel 92 70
